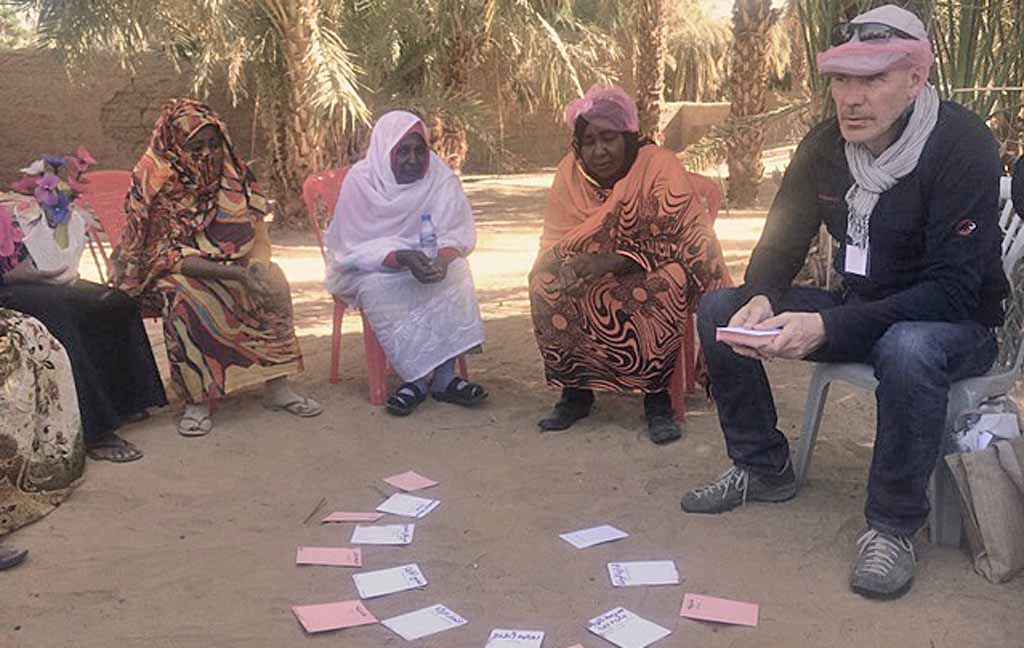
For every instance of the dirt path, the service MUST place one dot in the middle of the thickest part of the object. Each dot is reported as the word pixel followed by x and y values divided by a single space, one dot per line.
pixel 194 546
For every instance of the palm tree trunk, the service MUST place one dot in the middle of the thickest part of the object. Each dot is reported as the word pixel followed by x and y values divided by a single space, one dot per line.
pixel 298 141
pixel 448 135
pixel 650 65
pixel 748 83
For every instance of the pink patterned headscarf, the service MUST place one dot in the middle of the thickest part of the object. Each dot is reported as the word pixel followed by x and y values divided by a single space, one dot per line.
pixel 607 104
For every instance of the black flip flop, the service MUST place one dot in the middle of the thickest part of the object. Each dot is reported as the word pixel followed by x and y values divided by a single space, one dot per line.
pixel 405 400
pixel 461 392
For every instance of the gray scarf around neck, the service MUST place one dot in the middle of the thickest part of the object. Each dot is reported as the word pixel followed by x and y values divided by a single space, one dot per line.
pixel 873 176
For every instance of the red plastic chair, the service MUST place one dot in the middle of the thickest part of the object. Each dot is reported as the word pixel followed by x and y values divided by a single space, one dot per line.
pixel 104 193
pixel 684 377
pixel 709 191
pixel 320 192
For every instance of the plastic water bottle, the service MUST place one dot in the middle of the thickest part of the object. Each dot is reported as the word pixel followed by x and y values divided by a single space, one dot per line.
pixel 428 236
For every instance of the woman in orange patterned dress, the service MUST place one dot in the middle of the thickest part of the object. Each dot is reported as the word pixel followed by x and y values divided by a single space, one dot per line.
pixel 195 249
pixel 626 253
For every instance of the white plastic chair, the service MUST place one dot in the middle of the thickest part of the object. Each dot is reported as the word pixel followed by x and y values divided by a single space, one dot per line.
pixel 944 520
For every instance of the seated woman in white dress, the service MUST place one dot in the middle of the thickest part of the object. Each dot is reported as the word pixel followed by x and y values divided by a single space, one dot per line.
pixel 423 308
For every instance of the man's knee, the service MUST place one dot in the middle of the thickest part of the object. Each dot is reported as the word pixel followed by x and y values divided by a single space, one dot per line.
pixel 717 308
pixel 908 346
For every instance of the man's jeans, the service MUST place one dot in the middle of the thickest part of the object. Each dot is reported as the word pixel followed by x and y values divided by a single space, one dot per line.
pixel 915 363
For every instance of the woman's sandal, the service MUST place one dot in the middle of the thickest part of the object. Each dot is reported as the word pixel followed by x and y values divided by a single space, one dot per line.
pixel 11 557
pixel 461 392
pixel 195 426
pixel 302 407
pixel 405 399
pixel 114 449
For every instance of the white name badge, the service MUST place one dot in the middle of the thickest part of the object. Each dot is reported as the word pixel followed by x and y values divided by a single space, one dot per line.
pixel 857 260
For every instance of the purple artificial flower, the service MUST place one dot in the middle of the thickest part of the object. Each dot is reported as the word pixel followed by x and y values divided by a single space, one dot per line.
pixel 61 212
pixel 46 190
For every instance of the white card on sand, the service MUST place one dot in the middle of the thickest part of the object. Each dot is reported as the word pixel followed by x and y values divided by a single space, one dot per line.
pixel 408 505
pixel 421 623
pixel 385 534
pixel 626 630
pixel 643 572
pixel 388 581
pixel 593 536
pixel 501 638
pixel 857 260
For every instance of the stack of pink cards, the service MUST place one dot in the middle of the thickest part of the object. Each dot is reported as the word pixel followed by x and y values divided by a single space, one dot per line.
pixel 748 337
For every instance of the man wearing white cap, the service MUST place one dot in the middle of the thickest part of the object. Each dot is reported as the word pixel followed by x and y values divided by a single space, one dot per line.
pixel 909 187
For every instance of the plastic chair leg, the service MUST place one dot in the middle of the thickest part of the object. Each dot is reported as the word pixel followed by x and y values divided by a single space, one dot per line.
pixel 817 394
pixel 376 365
pixel 944 521
pixel 463 371
pixel 690 353
pixel 339 315
pixel 677 387
pixel 101 269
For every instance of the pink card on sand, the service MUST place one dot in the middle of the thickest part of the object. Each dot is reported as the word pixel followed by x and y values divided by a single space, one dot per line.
pixel 719 610
pixel 350 516
pixel 330 556
pixel 410 481
pixel 333 616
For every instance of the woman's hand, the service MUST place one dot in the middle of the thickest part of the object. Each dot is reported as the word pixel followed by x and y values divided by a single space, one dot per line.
pixel 26 272
pixel 421 266
pixel 545 262
pixel 594 266
pixel 257 281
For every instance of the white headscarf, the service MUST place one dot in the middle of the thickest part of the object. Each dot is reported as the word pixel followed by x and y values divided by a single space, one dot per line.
pixel 375 215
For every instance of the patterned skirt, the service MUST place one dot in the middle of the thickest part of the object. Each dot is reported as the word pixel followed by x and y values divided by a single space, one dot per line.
pixel 220 341
pixel 41 450
pixel 619 334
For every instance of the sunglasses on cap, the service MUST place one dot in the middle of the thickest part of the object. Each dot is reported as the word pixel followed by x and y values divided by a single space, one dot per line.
pixel 869 31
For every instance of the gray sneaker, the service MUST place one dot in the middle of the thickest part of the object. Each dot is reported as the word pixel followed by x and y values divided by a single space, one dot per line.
pixel 884 567
pixel 738 486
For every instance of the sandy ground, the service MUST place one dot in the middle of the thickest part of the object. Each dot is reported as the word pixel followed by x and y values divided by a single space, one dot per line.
pixel 194 546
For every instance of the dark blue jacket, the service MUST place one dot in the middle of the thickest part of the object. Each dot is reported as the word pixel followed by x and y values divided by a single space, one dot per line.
pixel 934 240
